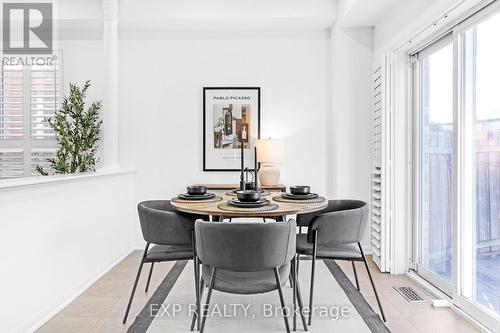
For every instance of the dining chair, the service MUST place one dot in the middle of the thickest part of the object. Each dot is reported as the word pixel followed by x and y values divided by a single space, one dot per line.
pixel 247 258
pixel 303 220
pixel 335 233
pixel 171 235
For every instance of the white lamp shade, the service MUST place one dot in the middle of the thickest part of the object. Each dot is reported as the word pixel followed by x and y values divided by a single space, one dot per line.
pixel 270 150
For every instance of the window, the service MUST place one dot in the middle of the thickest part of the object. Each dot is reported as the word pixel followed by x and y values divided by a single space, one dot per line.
pixel 29 95
pixel 436 162
pixel 481 242
pixel 457 169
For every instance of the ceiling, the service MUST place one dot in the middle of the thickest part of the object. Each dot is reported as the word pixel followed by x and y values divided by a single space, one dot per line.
pixel 364 13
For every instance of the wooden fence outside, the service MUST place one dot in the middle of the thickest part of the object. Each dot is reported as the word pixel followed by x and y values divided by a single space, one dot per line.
pixel 437 205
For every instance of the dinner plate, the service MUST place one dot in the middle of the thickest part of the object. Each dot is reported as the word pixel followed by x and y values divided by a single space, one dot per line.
pixel 205 196
pixel 299 196
pixel 255 204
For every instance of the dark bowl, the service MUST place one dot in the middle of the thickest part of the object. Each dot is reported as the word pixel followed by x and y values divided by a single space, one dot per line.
pixel 196 190
pixel 300 189
pixel 248 196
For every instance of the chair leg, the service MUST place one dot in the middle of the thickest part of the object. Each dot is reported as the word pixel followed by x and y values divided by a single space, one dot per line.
pixel 297 297
pixel 298 263
pixel 209 295
pixel 149 277
pixel 135 284
pixel 371 281
pixel 313 269
pixel 301 304
pixel 196 277
pixel 293 277
pixel 355 275
pixel 198 314
pixel 282 300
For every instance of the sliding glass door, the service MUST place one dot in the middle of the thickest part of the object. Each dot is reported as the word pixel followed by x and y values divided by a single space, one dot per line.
pixel 481 162
pixel 435 171
pixel 457 164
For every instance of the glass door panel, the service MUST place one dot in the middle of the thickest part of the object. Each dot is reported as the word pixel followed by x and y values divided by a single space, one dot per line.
pixel 481 223
pixel 435 172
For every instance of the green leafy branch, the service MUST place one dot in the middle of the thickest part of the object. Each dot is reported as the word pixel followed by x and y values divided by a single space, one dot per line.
pixel 77 133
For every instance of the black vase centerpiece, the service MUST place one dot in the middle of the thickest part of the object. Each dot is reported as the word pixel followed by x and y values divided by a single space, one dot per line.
pixel 244 183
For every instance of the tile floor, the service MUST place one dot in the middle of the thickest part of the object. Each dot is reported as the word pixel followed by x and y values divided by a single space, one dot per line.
pixel 100 309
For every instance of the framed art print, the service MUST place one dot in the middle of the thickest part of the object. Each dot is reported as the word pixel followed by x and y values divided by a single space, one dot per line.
pixel 231 118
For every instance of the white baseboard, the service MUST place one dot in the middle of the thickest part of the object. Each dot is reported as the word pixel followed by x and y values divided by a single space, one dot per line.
pixel 60 307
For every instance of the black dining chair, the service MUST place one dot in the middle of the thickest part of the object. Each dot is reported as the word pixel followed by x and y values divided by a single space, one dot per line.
pixel 247 258
pixel 335 233
pixel 171 235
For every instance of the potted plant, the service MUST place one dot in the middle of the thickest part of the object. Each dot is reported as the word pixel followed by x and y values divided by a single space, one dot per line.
pixel 77 131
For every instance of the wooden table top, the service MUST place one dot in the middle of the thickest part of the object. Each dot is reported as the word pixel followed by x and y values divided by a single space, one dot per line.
pixel 284 208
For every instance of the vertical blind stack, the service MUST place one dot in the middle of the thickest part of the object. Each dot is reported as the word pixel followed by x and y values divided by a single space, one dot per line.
pixel 377 208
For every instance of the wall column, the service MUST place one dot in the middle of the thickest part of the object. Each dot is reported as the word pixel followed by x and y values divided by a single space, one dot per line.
pixel 110 103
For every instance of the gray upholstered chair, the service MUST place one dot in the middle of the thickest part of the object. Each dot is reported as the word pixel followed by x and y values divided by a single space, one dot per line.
pixel 171 234
pixel 303 220
pixel 335 233
pixel 246 258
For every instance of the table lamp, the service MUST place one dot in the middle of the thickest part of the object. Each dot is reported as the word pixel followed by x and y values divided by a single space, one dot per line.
pixel 269 153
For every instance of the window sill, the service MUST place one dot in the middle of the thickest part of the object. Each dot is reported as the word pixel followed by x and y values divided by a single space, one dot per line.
pixel 41 180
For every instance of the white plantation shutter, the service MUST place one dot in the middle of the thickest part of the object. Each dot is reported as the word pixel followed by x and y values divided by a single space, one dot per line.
pixel 11 122
pixel 45 98
pixel 29 95
pixel 11 163
pixel 39 156
pixel 11 104
pixel 379 220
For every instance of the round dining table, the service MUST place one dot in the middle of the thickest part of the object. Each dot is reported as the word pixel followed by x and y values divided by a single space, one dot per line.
pixel 282 210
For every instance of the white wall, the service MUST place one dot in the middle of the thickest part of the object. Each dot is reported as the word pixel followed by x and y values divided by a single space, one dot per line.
pixel 161 123
pixel 55 239
pixel 170 50
pixel 352 58
pixel 315 94
pixel 83 60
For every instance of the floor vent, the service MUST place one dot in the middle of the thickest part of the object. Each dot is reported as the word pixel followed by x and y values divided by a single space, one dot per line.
pixel 409 294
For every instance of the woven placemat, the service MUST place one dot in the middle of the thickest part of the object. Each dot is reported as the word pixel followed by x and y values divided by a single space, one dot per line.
pixel 279 198
pixel 214 199
pixel 226 207
pixel 263 194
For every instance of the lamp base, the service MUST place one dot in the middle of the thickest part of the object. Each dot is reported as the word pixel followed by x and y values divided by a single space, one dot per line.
pixel 269 174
